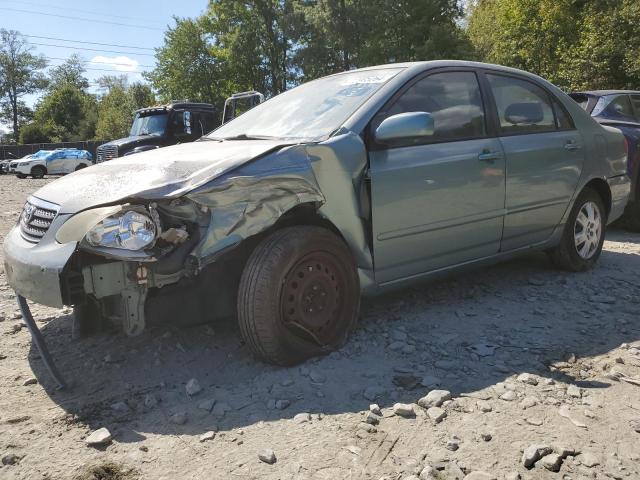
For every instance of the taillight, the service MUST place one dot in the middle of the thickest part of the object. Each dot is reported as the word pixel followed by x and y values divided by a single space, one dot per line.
pixel 626 148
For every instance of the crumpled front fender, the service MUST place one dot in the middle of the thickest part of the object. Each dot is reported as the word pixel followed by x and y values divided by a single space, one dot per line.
pixel 251 198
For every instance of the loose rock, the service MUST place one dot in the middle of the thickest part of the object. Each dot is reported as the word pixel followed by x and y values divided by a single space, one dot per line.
pixel 179 418
pixel 375 409
pixel 30 381
pixel 484 406
pixel 552 462
pixel 533 453
pixel 267 456
pixel 302 417
pixel 193 387
pixel 528 379
pixel 434 398
pixel 509 396
pixel 207 405
pixel 589 460
pixel 10 459
pixel 436 414
pixel 404 410
pixel 102 436
pixel 210 435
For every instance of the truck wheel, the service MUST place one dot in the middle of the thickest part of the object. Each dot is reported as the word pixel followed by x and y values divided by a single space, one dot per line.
pixel 583 235
pixel 299 295
pixel 80 167
pixel 38 172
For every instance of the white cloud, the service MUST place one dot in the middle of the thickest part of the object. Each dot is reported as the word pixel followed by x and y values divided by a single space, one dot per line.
pixel 120 63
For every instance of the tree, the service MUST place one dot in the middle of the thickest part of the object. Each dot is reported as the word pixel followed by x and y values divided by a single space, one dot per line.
pixel 20 74
pixel 575 44
pixel 117 106
pixel 189 66
pixel 70 72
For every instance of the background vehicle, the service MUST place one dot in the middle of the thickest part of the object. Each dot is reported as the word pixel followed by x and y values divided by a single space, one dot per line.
pixel 352 184
pixel 56 162
pixel 620 109
pixel 161 126
pixel 178 122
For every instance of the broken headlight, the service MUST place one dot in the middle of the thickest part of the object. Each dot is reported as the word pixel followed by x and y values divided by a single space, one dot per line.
pixel 127 230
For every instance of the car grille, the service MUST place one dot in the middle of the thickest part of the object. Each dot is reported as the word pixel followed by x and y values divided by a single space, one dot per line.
pixel 36 218
pixel 106 152
pixel 13 165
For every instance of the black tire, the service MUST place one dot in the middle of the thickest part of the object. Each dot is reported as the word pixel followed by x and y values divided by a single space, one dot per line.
pixel 80 167
pixel 21 175
pixel 38 172
pixel 87 319
pixel 565 255
pixel 289 274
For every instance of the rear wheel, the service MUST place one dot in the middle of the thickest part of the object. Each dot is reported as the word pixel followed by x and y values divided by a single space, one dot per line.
pixel 38 172
pixel 583 235
pixel 80 167
pixel 299 295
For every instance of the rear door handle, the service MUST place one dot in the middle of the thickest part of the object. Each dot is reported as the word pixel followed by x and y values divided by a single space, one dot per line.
pixel 571 146
pixel 489 156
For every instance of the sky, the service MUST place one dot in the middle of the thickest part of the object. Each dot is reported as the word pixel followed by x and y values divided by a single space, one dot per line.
pixel 78 26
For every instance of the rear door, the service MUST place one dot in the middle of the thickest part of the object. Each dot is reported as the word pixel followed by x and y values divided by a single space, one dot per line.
pixel 544 158
pixel 56 162
pixel 437 201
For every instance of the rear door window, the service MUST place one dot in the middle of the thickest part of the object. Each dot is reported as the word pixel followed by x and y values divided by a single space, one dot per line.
pixel 635 101
pixel 619 107
pixel 523 107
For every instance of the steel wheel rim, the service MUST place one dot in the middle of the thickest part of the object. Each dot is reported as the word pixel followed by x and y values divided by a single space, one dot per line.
pixel 312 300
pixel 587 230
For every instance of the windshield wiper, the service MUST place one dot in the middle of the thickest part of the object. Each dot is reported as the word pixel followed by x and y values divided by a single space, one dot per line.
pixel 244 136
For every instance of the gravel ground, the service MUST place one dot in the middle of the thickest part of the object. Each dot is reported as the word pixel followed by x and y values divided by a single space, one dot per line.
pixel 191 402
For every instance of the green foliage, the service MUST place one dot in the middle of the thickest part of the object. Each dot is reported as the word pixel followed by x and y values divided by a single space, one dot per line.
pixel 71 72
pixel 116 108
pixel 20 75
pixel 271 45
pixel 34 133
pixel 189 66
pixel 577 45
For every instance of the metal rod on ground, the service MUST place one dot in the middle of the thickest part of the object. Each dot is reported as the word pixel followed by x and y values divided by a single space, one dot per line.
pixel 39 341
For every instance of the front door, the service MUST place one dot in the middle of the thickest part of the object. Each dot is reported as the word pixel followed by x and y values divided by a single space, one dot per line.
pixel 437 201
pixel 544 154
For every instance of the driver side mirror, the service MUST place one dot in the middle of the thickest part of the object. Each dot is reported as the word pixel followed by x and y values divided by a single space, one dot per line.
pixel 405 126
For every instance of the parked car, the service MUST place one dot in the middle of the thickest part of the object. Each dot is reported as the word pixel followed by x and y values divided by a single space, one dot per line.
pixel 51 162
pixel 620 109
pixel 359 182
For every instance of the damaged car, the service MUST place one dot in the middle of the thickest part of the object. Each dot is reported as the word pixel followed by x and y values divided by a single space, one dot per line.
pixel 352 184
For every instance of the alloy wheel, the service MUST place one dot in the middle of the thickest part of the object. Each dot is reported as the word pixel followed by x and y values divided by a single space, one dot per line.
pixel 587 230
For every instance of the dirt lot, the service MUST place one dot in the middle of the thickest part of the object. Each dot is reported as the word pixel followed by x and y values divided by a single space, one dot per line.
pixel 577 335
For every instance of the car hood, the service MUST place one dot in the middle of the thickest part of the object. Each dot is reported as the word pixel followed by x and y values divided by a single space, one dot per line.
pixel 156 174
pixel 136 140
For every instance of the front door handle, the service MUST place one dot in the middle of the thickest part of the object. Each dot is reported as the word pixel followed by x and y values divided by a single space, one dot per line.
pixel 571 146
pixel 489 156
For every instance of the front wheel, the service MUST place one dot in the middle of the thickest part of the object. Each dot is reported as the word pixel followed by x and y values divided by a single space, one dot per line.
pixel 21 175
pixel 299 295
pixel 583 235
pixel 80 167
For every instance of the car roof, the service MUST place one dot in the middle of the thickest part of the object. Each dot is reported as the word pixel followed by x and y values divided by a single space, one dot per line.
pixel 602 93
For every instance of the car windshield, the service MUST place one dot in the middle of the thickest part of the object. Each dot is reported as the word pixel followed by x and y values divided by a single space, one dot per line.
pixel 311 111
pixel 149 124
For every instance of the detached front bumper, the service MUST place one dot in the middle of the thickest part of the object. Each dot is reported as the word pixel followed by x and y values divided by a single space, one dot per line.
pixel 34 271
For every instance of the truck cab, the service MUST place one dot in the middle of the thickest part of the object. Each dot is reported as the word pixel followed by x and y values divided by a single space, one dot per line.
pixel 161 126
